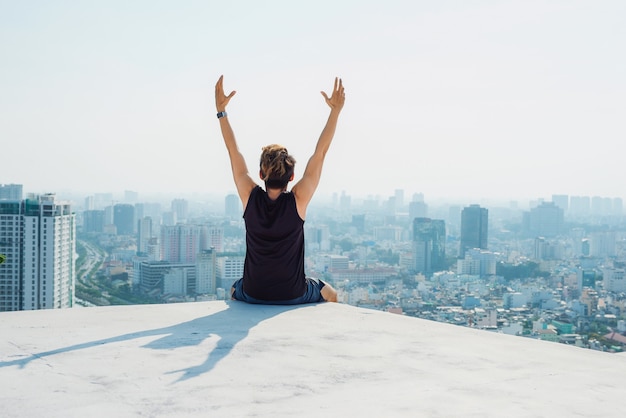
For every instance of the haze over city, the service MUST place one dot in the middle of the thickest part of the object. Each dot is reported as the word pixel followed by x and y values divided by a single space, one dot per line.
pixel 508 99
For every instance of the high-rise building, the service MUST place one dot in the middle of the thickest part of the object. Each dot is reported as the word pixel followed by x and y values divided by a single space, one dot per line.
pixel 38 238
pixel 579 206
pixel 181 243
pixel 562 201
pixel 206 272
pixel 102 200
pixel 232 206
pixel 545 220
pixel 130 196
pixel 212 237
pixel 474 224
pixel 345 202
pixel 10 192
pixel 399 195
pixel 152 210
pixel 618 206
pixel 144 234
pixel 181 208
pixel 429 245
pixel 93 221
pixel 90 203
pixel 124 218
pixel 417 209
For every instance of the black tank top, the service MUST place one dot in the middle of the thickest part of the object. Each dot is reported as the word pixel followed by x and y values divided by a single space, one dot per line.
pixel 274 264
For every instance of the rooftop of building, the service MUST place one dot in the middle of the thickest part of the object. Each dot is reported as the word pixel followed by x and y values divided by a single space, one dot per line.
pixel 229 359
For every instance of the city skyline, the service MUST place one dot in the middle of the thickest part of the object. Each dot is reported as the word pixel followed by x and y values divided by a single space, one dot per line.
pixel 456 100
pixel 415 204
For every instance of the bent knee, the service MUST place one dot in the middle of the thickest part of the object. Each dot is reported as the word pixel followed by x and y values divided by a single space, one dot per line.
pixel 328 293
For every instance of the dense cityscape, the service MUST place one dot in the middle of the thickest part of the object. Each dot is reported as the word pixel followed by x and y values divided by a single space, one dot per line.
pixel 551 270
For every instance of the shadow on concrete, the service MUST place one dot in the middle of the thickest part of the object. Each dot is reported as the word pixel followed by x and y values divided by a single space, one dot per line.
pixel 230 326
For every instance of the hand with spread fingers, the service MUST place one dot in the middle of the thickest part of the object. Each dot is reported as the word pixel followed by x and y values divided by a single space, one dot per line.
pixel 221 100
pixel 337 97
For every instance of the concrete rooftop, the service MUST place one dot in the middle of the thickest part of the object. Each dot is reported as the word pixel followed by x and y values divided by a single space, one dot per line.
pixel 229 359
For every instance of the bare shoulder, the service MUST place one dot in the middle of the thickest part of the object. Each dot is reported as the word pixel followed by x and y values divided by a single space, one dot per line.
pixel 301 202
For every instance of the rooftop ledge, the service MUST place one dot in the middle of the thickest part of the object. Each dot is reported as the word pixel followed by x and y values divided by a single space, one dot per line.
pixel 229 359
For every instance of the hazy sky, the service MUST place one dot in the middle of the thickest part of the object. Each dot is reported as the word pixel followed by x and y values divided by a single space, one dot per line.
pixel 496 99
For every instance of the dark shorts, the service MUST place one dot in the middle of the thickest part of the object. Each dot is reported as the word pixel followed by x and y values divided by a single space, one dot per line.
pixel 313 294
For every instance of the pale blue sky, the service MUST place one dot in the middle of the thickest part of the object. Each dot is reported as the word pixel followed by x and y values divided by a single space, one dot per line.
pixel 475 99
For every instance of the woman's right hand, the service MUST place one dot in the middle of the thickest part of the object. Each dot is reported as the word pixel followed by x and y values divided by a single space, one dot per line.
pixel 221 100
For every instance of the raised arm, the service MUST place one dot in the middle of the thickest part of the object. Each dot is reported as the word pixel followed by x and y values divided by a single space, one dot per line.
pixel 243 180
pixel 304 189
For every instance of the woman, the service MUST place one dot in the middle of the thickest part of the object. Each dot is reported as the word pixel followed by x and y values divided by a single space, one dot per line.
pixel 273 270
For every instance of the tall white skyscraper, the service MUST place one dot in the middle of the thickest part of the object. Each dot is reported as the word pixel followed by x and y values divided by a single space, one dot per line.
pixel 38 238
pixel 206 272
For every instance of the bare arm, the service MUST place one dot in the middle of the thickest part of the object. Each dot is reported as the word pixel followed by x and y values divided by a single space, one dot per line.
pixel 305 188
pixel 243 180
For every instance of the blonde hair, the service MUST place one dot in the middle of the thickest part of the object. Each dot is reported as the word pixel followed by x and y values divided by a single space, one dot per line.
pixel 276 163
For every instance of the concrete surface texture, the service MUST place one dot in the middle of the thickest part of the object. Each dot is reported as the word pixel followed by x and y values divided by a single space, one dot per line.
pixel 229 359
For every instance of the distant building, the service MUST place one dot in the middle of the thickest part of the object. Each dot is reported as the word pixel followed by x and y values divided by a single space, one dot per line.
pixel 206 272
pixel 144 234
pixel 477 263
pixel 212 237
pixel 345 202
pixel 547 250
pixel 601 206
pixel 514 300
pixel 158 278
pixel 562 201
pixel 181 208
pixel 363 276
pixel 101 200
pixel 232 206
pixel 130 196
pixel 332 262
pixel 545 220
pixel 152 210
pixel 38 238
pixel 93 221
pixel 358 222
pixel 614 280
pixel 317 238
pixel 586 279
pixel 603 244
pixel 124 218
pixel 181 243
pixel 229 269
pixel 417 209
pixel 11 192
pixel 89 203
pixel 474 228
pixel 485 318
pixel 580 206
pixel 429 245
pixel 388 233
